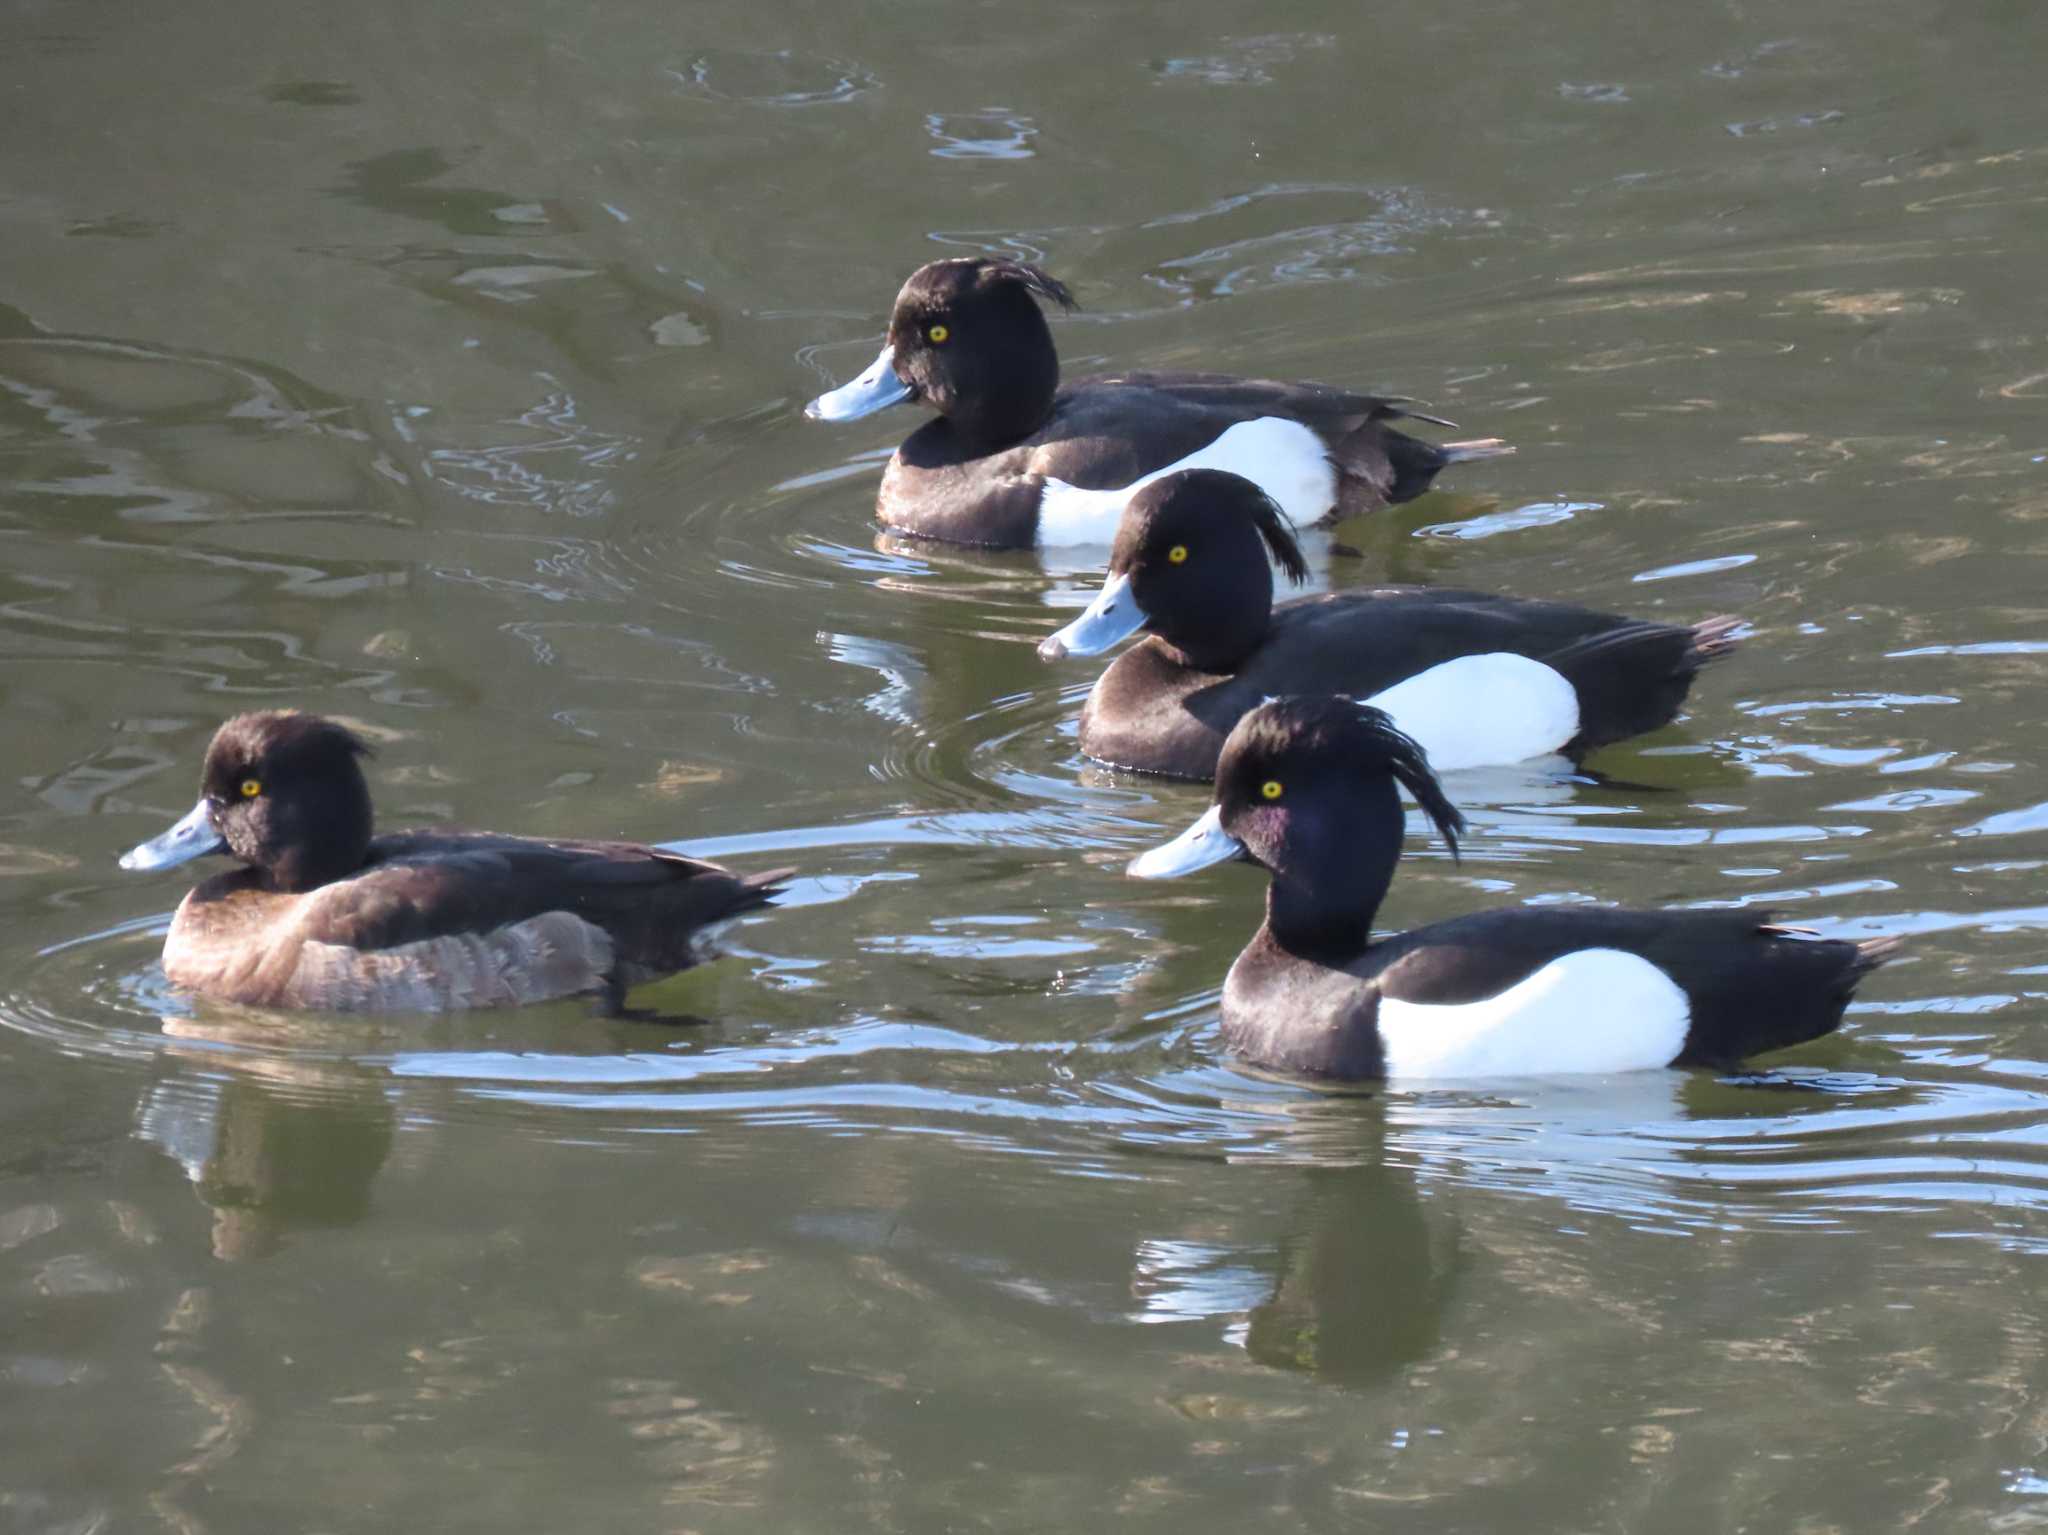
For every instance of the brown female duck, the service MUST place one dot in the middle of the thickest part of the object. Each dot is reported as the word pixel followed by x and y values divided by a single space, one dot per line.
pixel 325 915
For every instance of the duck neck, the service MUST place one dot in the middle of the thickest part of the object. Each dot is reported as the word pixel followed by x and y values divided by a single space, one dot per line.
pixel 1012 401
pixel 324 847
pixel 1332 878
pixel 1003 391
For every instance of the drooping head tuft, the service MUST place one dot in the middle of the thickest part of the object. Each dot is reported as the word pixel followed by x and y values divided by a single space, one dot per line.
pixel 1409 763
pixel 939 286
pixel 1279 536
pixel 1034 278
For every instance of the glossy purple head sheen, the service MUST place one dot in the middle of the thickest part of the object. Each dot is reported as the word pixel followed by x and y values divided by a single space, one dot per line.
pixel 1194 545
pixel 970 342
pixel 1306 784
pixel 308 821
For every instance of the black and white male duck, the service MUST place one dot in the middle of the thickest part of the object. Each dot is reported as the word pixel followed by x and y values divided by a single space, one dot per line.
pixel 1479 680
pixel 1014 460
pixel 325 915
pixel 1306 790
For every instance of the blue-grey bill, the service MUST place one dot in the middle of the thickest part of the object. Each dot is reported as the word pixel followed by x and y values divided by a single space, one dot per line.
pixel 1114 615
pixel 876 389
pixel 193 837
pixel 1202 844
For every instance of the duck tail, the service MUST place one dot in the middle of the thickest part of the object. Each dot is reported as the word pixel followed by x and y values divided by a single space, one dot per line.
pixel 1794 989
pixel 1474 448
pixel 762 889
pixel 1713 638
pixel 1864 954
pixel 1870 953
pixel 1407 465
pixel 1632 678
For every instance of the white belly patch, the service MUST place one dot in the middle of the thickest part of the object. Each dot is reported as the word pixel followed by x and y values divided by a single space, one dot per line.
pixel 1593 1010
pixel 1283 458
pixel 1480 711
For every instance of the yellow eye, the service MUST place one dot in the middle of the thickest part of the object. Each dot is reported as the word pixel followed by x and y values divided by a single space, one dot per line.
pixel 1271 788
pixel 251 787
pixel 1178 554
pixel 937 335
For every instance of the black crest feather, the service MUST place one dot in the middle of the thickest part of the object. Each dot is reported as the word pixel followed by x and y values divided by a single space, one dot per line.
pixel 1273 528
pixel 1409 763
pixel 314 734
pixel 1035 279
pixel 285 736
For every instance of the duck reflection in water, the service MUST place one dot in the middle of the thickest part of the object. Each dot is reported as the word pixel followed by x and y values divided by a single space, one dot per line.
pixel 276 1145
pixel 1356 1288
pixel 1364 1280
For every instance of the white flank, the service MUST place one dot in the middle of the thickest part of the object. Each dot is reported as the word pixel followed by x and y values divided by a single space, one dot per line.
pixel 1283 458
pixel 1480 711
pixel 1593 1010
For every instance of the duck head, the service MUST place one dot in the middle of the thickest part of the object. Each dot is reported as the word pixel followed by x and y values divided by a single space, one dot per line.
pixel 282 792
pixel 1305 789
pixel 966 338
pixel 1189 565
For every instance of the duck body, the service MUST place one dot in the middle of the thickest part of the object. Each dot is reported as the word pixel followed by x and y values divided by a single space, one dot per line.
pixel 1540 991
pixel 1013 460
pixel 1152 712
pixel 1479 679
pixel 1319 453
pixel 444 920
pixel 1306 789
pixel 324 915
